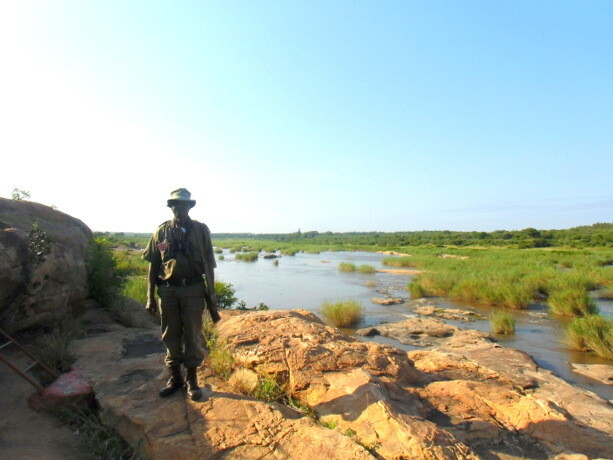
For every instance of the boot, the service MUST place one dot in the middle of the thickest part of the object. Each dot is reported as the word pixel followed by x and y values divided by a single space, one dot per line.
pixel 175 382
pixel 193 390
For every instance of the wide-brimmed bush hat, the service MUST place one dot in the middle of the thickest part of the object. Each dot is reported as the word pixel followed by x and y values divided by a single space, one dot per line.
pixel 181 195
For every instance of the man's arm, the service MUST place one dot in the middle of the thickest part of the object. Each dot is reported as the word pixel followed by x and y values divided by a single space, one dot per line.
pixel 152 276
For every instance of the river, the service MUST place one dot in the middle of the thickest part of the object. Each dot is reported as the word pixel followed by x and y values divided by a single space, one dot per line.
pixel 306 280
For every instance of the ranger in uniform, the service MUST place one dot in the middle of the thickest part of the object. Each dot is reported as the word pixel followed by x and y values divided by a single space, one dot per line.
pixel 181 260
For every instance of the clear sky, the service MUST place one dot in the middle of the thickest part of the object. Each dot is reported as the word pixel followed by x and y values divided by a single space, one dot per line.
pixel 318 115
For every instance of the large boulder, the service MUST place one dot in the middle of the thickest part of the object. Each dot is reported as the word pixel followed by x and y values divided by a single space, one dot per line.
pixel 33 291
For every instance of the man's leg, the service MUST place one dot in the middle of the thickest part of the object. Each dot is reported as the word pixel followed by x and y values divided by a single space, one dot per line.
pixel 192 307
pixel 172 331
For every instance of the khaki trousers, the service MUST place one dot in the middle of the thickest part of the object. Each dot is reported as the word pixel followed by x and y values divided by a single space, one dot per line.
pixel 181 309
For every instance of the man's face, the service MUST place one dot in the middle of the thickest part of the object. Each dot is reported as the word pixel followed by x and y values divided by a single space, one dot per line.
pixel 180 209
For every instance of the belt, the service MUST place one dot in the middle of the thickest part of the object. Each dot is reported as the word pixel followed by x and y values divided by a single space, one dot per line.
pixel 181 281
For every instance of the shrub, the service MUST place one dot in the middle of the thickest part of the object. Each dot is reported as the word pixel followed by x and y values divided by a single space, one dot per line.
pixel 593 333
pixel 347 267
pixel 343 314
pixel 416 290
pixel 103 276
pixel 225 294
pixel 366 269
pixel 38 244
pixel 572 302
pixel 502 322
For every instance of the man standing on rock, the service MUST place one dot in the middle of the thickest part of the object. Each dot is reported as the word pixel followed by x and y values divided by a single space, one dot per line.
pixel 181 260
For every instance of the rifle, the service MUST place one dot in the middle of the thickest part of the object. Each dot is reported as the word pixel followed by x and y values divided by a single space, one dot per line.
pixel 210 286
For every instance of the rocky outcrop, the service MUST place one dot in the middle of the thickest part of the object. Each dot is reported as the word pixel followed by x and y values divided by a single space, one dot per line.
pixel 387 300
pixel 35 291
pixel 475 400
pixel 454 314
pixel 600 372
pixel 424 332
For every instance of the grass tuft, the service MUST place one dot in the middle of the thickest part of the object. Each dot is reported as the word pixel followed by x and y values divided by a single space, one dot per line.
pixel 96 438
pixel 268 389
pixel 502 322
pixel 347 267
pixel 247 256
pixel 366 269
pixel 416 290
pixel 220 357
pixel 593 333
pixel 572 302
pixel 343 314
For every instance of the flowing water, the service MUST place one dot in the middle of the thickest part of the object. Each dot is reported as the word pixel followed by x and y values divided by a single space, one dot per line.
pixel 306 280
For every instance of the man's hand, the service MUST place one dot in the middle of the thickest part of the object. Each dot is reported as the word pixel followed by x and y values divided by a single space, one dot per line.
pixel 152 307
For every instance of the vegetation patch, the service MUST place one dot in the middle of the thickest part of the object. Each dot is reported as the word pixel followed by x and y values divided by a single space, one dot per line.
pixel 366 269
pixel 347 267
pixel 416 290
pixel 502 322
pixel 96 438
pixel 268 389
pixel 247 256
pixel 344 313
pixel 591 333
pixel 220 357
pixel 136 288
pixel 572 302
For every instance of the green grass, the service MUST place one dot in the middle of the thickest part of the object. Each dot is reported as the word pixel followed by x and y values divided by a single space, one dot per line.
pixel 572 302
pixel 347 267
pixel 247 256
pixel 268 389
pixel 220 357
pixel 591 333
pixel 344 313
pixel 366 269
pixel 416 290
pixel 136 288
pixel 502 322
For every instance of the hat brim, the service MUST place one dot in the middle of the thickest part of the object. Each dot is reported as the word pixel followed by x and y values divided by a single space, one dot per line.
pixel 191 203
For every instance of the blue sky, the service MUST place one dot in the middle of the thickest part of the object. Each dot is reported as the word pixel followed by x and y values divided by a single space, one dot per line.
pixel 314 115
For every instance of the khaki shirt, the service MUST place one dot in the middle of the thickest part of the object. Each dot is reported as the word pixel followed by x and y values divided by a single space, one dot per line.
pixel 185 262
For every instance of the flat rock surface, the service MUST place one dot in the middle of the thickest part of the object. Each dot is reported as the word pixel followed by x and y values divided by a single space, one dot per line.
pixel 464 399
pixel 601 372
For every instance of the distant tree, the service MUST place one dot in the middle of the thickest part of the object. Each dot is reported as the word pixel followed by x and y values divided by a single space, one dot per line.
pixel 20 195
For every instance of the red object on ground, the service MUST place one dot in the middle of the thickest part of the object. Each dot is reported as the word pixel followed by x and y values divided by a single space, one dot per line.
pixel 70 388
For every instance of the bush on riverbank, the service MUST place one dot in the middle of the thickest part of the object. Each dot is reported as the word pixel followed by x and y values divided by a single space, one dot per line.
pixel 502 322
pixel 508 278
pixel 344 313
pixel 593 333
